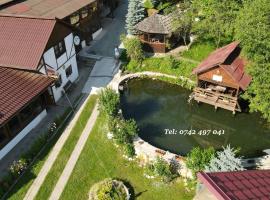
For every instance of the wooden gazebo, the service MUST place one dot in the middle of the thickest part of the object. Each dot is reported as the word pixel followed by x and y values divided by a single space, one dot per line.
pixel 221 78
pixel 156 32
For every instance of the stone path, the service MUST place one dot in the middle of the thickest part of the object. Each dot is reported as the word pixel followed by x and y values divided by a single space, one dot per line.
pixel 62 181
pixel 33 190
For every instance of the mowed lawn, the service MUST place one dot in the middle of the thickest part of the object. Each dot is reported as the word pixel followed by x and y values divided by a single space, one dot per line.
pixel 199 50
pixel 26 181
pixel 101 159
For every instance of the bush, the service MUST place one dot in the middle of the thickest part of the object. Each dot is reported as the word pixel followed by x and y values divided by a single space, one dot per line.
pixel 198 159
pixel 134 48
pixel 161 168
pixel 148 4
pixel 108 190
pixel 109 102
pixel 129 150
pixel 125 131
pixel 18 167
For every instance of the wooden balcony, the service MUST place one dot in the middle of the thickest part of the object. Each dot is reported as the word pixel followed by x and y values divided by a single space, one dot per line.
pixel 155 47
pixel 216 99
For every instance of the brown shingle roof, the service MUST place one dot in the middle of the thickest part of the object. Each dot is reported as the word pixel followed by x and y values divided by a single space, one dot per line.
pixel 235 68
pixel 241 185
pixel 23 41
pixel 156 23
pixel 18 88
pixel 46 8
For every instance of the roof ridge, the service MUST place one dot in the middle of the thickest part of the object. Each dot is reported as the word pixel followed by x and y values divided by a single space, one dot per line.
pixel 27 17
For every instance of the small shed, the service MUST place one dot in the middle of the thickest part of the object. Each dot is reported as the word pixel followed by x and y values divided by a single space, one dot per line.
pixel 156 33
pixel 221 78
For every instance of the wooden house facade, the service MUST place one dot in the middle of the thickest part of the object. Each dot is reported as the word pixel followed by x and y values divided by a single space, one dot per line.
pixel 156 33
pixel 221 78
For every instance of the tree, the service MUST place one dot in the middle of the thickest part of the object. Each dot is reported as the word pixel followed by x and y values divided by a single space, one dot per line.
pixel 199 158
pixel 136 13
pixel 225 161
pixel 216 19
pixel 134 48
pixel 252 29
pixel 182 21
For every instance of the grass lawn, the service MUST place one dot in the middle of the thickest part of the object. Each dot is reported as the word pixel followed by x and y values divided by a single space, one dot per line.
pixel 101 159
pixel 199 50
pixel 163 65
pixel 24 184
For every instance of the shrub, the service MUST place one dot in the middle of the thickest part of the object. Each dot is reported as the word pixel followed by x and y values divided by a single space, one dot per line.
pixel 198 159
pixel 125 132
pixel 225 161
pixel 108 189
pixel 148 4
pixel 129 150
pixel 109 102
pixel 161 168
pixel 134 48
pixel 18 167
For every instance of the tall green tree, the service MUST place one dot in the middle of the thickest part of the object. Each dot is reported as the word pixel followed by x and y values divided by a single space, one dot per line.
pixel 216 19
pixel 136 12
pixel 252 29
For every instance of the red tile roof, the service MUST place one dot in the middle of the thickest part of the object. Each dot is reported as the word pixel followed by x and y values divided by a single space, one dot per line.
pixel 221 57
pixel 23 40
pixel 242 185
pixel 18 88
pixel 46 8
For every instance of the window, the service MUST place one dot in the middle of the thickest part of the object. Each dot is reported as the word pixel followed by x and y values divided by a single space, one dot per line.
pixel 69 70
pixel 58 83
pixel 84 13
pixel 75 18
pixel 59 49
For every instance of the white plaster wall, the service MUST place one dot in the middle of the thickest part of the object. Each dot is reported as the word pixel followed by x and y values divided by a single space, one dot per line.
pixel 22 134
pixel 42 70
pixel 50 59
pixel 62 71
pixel 62 59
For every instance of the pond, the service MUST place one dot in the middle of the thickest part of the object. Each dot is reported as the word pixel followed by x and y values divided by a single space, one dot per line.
pixel 159 107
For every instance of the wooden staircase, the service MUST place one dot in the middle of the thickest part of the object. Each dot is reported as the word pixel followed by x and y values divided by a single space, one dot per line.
pixel 216 99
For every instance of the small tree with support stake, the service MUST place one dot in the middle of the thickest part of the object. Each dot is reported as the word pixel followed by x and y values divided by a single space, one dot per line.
pixel 136 13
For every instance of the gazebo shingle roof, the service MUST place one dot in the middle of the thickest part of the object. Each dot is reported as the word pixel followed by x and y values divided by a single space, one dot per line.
pixel 156 23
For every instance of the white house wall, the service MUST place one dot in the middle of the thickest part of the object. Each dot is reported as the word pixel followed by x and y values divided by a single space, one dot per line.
pixel 4 151
pixel 50 59
pixel 62 63
pixel 57 92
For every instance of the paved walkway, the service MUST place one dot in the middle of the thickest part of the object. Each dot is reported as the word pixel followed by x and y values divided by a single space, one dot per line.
pixel 62 181
pixel 33 190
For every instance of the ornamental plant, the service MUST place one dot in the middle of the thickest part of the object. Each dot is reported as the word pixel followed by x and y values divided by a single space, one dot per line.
pixel 198 159
pixel 109 102
pixel 134 48
pixel 225 161
pixel 136 13
pixel 18 167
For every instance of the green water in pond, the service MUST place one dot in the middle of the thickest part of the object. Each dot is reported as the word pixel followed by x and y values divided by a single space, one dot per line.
pixel 157 106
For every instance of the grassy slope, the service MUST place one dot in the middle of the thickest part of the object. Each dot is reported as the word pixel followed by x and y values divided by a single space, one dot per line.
pixel 101 159
pixel 24 184
pixel 199 51
pixel 162 65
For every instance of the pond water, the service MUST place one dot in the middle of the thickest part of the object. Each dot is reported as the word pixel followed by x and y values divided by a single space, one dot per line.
pixel 157 106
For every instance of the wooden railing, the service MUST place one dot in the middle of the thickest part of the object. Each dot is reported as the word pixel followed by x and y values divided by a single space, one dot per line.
pixel 216 99
pixel 156 47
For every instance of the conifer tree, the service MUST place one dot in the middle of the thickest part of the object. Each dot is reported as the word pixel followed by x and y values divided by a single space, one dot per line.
pixel 135 14
pixel 225 161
